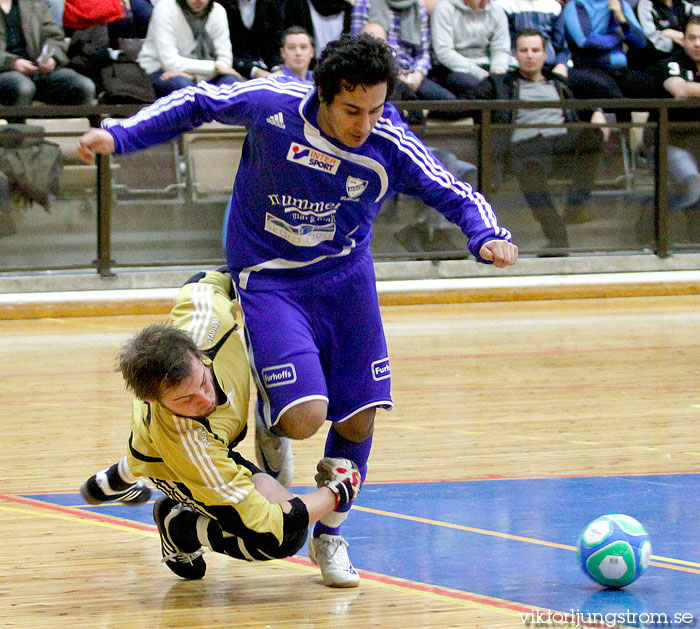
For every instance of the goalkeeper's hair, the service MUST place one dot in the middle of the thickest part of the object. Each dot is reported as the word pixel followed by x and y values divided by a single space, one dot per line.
pixel 156 359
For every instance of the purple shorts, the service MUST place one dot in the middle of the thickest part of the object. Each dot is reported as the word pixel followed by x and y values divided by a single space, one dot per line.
pixel 319 339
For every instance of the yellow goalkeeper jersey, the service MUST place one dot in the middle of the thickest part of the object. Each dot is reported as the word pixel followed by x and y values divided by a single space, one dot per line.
pixel 189 458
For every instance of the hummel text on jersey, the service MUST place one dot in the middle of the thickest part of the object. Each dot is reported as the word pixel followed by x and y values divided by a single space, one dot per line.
pixel 277 120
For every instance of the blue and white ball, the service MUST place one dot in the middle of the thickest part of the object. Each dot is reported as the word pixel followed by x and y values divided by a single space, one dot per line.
pixel 614 550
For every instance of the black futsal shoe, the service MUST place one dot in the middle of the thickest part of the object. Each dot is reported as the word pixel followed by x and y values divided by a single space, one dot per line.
pixel 183 558
pixel 135 495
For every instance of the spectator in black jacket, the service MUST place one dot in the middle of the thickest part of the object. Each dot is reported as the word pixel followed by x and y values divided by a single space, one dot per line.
pixel 326 20
pixel 533 153
pixel 256 28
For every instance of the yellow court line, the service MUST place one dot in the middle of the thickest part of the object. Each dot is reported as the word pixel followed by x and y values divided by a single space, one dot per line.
pixel 290 564
pixel 679 568
pixel 679 563
pixel 462 527
pixel 497 605
pixel 519 538
pixel 74 518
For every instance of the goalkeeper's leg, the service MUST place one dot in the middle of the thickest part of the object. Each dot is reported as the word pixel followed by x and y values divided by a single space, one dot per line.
pixel 116 483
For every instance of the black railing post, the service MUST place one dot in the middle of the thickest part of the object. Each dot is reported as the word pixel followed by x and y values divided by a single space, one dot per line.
pixel 661 185
pixel 104 216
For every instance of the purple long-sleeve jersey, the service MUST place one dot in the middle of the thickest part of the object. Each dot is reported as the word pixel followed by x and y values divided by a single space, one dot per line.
pixel 302 202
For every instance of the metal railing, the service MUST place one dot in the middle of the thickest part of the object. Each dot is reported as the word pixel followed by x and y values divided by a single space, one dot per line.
pixel 484 128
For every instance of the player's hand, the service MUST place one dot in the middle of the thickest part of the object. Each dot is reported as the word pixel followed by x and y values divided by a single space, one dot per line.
pixel 341 476
pixel 501 252
pixel 93 142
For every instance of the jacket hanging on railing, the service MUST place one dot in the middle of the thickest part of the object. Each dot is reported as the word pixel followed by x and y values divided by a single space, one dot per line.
pixel 29 167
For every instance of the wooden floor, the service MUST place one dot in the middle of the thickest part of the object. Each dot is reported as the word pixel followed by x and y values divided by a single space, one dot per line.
pixel 519 389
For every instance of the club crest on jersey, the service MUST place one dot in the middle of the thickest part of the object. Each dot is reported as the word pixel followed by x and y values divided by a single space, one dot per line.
pixel 279 375
pixel 380 369
pixel 311 158
pixel 355 187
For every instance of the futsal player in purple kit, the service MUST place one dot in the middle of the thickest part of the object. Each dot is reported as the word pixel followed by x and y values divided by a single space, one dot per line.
pixel 316 165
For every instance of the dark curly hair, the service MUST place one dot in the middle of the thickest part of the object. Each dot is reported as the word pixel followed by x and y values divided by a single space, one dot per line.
pixel 156 359
pixel 354 60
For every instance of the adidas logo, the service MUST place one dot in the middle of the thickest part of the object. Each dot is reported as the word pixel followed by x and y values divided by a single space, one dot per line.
pixel 277 120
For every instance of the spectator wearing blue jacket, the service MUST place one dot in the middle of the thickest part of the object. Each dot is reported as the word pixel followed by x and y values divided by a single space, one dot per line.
pixel 598 31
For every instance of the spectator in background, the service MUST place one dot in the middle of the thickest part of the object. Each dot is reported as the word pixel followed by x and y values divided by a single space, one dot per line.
pixel 297 52
pixel 544 16
pixel 135 23
pixel 471 41
pixel 663 23
pixel 33 59
pixel 535 153
pixel 187 42
pixel 256 36
pixel 679 76
pixel 406 30
pixel 598 33
pixel 326 20
pixel 56 7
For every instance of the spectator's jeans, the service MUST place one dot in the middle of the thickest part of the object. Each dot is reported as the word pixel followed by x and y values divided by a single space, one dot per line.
pixel 576 154
pixel 460 84
pixel 60 87
pixel 163 88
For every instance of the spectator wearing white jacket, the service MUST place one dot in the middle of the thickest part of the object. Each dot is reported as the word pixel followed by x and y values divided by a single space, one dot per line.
pixel 187 41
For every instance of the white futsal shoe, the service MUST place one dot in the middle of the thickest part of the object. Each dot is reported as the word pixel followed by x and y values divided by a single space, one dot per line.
pixel 329 553
pixel 273 453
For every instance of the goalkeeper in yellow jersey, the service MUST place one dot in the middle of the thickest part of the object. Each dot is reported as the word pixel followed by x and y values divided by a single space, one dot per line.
pixel 190 380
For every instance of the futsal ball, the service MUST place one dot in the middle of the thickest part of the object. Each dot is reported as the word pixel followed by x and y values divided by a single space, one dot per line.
pixel 614 550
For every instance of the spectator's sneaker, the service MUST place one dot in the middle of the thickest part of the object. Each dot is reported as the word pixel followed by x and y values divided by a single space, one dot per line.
pixel 93 494
pixel 184 562
pixel 329 552
pixel 273 453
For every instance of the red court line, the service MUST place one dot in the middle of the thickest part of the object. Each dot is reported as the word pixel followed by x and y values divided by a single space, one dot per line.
pixel 435 589
pixel 371 576
pixel 464 479
pixel 86 515
pixel 411 585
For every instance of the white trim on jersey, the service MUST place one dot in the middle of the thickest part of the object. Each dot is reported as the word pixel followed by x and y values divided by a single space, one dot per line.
pixel 202 315
pixel 198 455
pixel 387 404
pixel 281 263
pixel 218 92
pixel 422 159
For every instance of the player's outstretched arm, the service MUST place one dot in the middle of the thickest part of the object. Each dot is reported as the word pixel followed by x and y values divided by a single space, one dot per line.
pixel 93 142
pixel 501 252
pixel 338 482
